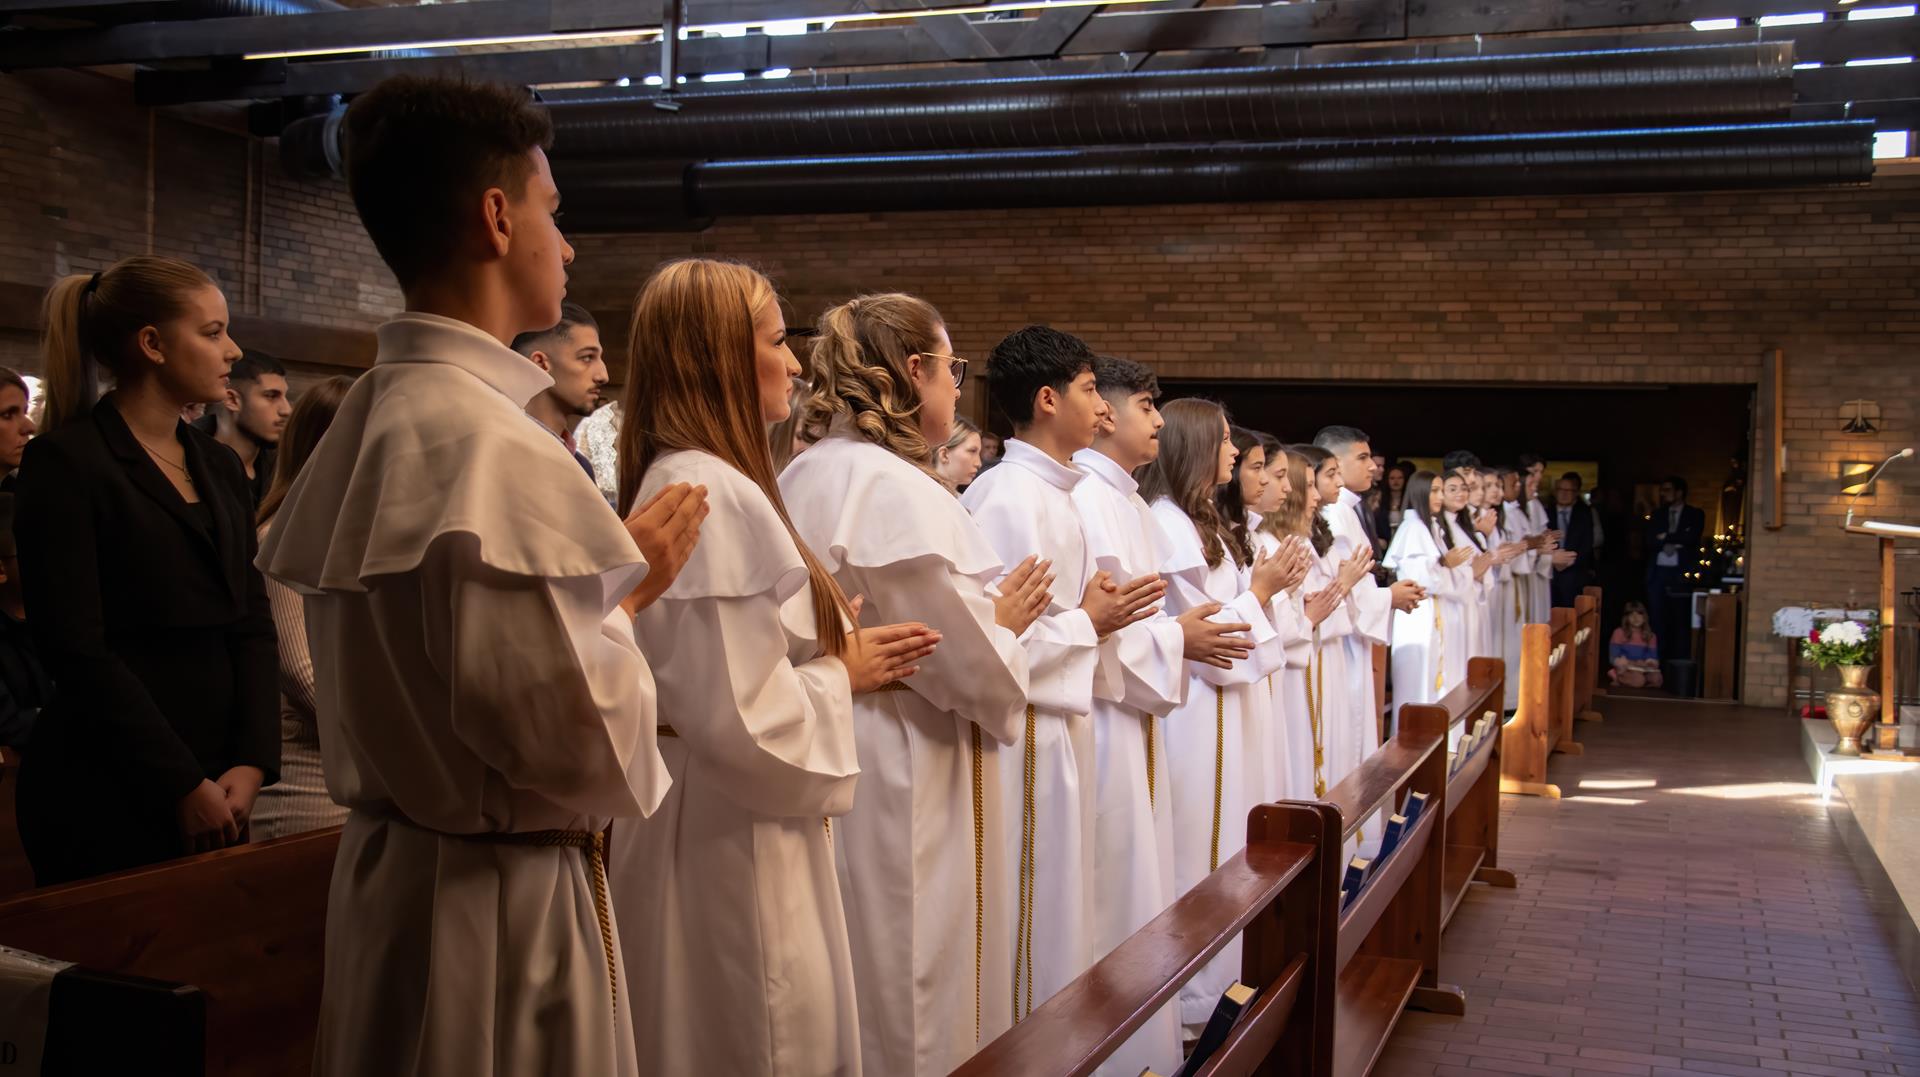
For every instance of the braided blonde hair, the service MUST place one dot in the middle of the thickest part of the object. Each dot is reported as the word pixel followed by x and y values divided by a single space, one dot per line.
pixel 860 370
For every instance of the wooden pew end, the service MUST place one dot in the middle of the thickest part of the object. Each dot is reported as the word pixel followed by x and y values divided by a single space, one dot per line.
pixel 1446 999
pixel 1591 716
pixel 1530 789
pixel 1499 877
pixel 1570 747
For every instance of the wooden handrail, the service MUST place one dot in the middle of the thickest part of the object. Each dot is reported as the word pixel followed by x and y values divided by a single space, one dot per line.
pixel 1290 850
pixel 1375 781
pixel 1473 789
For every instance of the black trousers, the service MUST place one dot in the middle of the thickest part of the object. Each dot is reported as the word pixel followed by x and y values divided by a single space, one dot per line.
pixel 1662 612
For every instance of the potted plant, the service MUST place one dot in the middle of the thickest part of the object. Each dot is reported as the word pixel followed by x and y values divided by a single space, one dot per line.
pixel 1851 647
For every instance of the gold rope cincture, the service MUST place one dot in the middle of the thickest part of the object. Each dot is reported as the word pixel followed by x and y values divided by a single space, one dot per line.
pixel 979 874
pixel 1439 651
pixel 594 844
pixel 1023 941
pixel 1316 697
pixel 1219 769
pixel 1146 726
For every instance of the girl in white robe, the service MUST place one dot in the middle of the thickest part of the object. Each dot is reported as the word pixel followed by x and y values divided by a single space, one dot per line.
pixel 1311 688
pixel 1429 643
pixel 1207 733
pixel 1460 531
pixel 921 856
pixel 734 937
pixel 1272 748
pixel 1291 740
pixel 1349 733
pixel 1540 588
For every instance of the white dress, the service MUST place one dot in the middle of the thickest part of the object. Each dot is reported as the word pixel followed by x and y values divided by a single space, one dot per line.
pixel 1429 643
pixel 1206 738
pixel 734 935
pixel 1133 808
pixel 475 678
pixel 1025 508
pixel 922 855
pixel 1370 607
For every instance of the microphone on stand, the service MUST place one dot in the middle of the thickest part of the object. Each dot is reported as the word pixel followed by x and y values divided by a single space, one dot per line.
pixel 1869 483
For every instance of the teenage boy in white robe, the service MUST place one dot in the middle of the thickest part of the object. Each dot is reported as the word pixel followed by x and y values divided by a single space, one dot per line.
pixel 1043 380
pixel 469 597
pixel 1133 801
pixel 1372 606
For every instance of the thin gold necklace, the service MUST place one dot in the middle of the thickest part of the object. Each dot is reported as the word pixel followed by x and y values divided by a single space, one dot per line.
pixel 155 453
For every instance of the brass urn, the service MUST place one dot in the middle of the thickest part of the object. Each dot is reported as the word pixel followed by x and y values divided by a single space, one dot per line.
pixel 1852 708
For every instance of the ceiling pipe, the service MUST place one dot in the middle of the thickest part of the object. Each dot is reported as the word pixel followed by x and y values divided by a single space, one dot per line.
pixel 622 196
pixel 1559 91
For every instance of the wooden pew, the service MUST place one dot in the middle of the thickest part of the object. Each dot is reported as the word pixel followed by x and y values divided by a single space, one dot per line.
pixel 1388 952
pixel 1380 720
pixel 1281 892
pixel 1592 649
pixel 1543 724
pixel 243 926
pixel 1473 791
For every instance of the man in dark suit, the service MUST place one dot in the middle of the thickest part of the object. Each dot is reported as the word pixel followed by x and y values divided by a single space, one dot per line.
pixel 1573 518
pixel 1672 547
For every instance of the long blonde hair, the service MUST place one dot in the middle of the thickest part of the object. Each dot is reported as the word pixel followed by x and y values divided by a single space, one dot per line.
pixel 90 323
pixel 312 414
pixel 691 385
pixel 860 370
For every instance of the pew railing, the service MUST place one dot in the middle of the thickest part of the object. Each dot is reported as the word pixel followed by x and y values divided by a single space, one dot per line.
pixel 1565 664
pixel 1281 893
pixel 1387 956
pixel 1473 787
pixel 243 927
pixel 1586 638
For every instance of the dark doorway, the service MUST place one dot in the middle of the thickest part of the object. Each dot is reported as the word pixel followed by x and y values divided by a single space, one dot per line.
pixel 1632 438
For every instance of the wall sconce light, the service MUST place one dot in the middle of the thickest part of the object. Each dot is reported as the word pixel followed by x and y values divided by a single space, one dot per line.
pixel 1860 416
pixel 1854 475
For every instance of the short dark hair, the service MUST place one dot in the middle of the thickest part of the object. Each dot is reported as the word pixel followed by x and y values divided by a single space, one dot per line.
pixel 1528 459
pixel 250 367
pixel 1460 458
pixel 1335 438
pixel 420 149
pixel 1123 378
pixel 1029 360
pixel 1574 476
pixel 1679 484
pixel 571 314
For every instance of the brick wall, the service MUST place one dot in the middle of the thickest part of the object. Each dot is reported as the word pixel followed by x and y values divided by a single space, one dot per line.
pixel 1636 290
pixel 1628 290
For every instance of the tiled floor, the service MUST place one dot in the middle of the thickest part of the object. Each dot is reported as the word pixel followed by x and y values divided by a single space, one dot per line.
pixel 1686 909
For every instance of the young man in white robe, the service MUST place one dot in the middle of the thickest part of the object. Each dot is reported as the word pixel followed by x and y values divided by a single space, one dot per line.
pixel 484 709
pixel 1372 606
pixel 1133 806
pixel 1043 380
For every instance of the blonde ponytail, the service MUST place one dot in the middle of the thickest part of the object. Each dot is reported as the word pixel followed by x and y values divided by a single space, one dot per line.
pixel 90 323
pixel 860 370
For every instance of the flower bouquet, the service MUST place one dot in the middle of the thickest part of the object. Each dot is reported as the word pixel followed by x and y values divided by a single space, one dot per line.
pixel 1841 643
pixel 1853 706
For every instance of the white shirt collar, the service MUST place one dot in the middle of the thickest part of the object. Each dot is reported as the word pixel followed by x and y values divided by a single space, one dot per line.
pixel 1020 453
pixel 1102 467
pixel 414 337
pixel 1348 497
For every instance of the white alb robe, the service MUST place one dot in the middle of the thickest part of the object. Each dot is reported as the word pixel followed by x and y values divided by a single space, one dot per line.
pixel 1133 808
pixel 1429 644
pixel 1316 686
pixel 1540 588
pixel 474 676
pixel 1287 765
pixel 1371 608
pixel 1025 508
pixel 922 855
pixel 735 939
pixel 1206 738
pixel 1515 607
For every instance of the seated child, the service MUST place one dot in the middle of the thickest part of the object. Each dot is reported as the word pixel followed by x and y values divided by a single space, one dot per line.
pixel 1634 651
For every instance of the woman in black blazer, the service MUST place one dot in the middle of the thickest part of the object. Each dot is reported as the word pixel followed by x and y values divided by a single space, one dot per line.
pixel 136 553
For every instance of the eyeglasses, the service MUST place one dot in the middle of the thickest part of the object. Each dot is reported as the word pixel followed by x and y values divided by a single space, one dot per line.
pixel 955 364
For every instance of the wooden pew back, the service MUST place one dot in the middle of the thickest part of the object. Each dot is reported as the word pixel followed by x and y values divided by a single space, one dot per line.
pixel 245 926
pixel 1527 740
pixel 1589 641
pixel 1473 790
pixel 1281 891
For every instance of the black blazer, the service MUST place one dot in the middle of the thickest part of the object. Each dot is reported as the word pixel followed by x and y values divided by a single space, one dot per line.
pixel 1693 524
pixel 147 612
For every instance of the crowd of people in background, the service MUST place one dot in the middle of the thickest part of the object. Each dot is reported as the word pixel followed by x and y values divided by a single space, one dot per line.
pixel 897 727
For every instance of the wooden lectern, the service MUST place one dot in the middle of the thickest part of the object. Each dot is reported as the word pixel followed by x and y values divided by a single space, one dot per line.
pixel 1886 735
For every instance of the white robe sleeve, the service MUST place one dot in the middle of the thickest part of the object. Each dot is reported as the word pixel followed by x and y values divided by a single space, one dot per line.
pixel 548 686
pixel 778 736
pixel 979 670
pixel 1187 575
pixel 1063 652
pixel 1144 666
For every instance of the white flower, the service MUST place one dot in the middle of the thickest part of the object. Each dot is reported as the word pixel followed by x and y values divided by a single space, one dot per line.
pixel 1843 632
pixel 1792 622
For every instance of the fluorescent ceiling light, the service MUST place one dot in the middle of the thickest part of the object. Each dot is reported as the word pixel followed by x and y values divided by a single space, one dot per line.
pixel 1793 20
pixel 1880 61
pixel 725 29
pixel 1890 144
pixel 1904 12
pixel 1715 24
